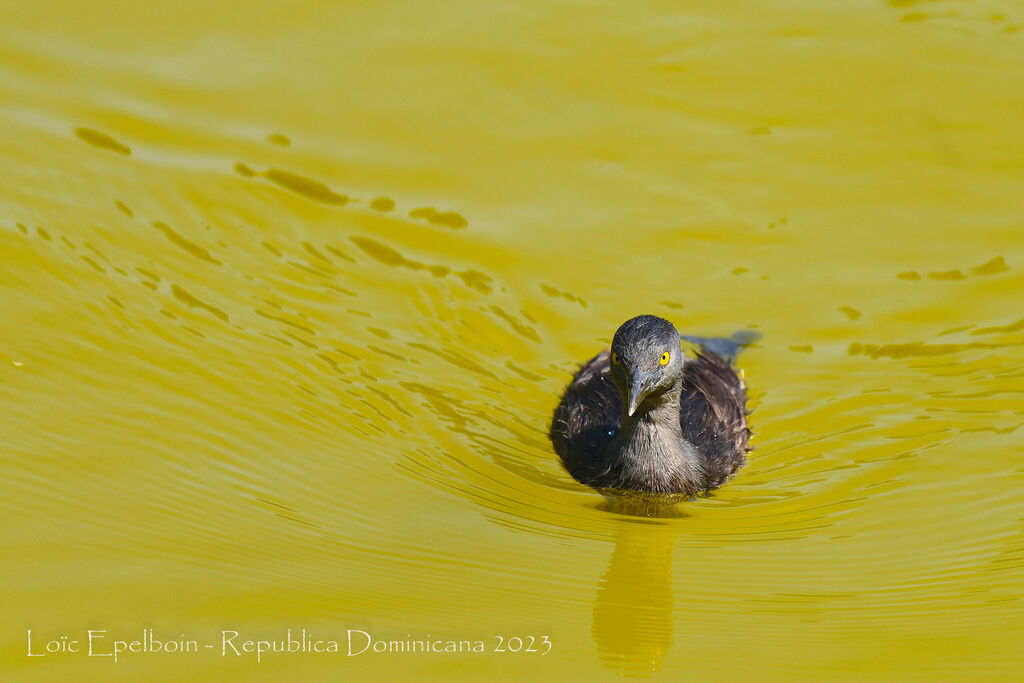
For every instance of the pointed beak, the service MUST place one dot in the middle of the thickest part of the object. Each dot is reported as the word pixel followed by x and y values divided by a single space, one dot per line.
pixel 639 388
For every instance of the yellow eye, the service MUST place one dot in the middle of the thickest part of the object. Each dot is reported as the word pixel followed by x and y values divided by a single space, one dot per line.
pixel 615 358
pixel 665 357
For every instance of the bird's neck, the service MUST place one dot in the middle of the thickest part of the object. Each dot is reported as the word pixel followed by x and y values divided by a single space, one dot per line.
pixel 658 411
pixel 650 445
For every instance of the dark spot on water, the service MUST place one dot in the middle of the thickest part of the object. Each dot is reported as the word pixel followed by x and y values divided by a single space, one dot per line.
pixel 573 298
pixel 269 316
pixel 851 313
pixel 188 246
pixel 242 169
pixel 273 250
pixel 390 257
pixel 915 349
pixel 308 246
pixel 525 374
pixel 336 288
pixel 97 252
pixel 519 328
pixel 102 140
pixel 554 292
pixel 42 233
pixel 93 264
pixel 802 348
pixel 306 187
pixel 146 273
pixel 387 397
pixel 476 280
pixel 1001 329
pixel 182 295
pixel 448 219
pixel 333 363
pixel 278 139
pixel 389 354
pixel 909 275
pixel 314 269
pixel 278 339
pixel 954 330
pixel 383 253
pixel 382 204
pixel 302 341
pixel 995 265
pixel 124 208
pixel 339 253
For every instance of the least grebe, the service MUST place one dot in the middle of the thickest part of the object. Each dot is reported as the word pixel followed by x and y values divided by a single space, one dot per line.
pixel 640 419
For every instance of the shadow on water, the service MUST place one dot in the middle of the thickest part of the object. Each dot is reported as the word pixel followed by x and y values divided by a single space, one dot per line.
pixel 633 620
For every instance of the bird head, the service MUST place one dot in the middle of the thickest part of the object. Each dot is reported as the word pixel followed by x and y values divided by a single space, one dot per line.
pixel 646 360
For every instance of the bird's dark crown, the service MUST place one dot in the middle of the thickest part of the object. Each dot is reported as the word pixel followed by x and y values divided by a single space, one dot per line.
pixel 640 341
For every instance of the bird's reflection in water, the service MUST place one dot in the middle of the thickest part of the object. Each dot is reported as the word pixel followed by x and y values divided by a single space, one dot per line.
pixel 633 609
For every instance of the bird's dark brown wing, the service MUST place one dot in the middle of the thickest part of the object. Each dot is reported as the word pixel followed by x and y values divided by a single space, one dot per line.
pixel 587 419
pixel 713 416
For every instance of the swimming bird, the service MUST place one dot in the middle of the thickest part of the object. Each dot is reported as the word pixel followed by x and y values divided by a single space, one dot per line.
pixel 641 420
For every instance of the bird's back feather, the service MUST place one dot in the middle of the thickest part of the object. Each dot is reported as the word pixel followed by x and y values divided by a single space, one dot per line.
pixel 712 416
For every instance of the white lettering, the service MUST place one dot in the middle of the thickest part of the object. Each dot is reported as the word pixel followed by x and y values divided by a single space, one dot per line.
pixel 226 642
pixel 365 646
pixel 98 635
pixel 30 654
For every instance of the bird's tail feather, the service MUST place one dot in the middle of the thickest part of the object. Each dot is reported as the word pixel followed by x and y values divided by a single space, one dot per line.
pixel 727 347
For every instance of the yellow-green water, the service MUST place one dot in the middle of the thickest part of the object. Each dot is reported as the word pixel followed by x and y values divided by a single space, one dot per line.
pixel 249 383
